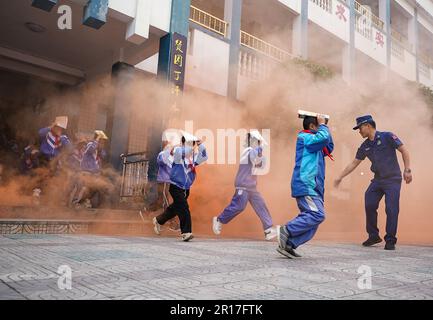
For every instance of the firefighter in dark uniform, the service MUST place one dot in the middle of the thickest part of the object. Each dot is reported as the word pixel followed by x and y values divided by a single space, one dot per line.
pixel 379 148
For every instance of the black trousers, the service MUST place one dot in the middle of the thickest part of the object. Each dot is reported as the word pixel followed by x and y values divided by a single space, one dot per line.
pixel 179 207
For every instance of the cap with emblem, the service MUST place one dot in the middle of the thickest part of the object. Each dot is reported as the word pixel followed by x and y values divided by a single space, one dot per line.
pixel 361 120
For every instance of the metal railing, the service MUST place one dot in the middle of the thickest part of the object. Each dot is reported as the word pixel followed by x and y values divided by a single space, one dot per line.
pixel 324 4
pixel 264 47
pixel 208 21
pixel 401 39
pixel 134 174
pixel 366 12
pixel 397 50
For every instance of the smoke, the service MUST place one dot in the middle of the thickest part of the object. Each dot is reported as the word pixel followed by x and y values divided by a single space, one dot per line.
pixel 272 103
pixel 396 105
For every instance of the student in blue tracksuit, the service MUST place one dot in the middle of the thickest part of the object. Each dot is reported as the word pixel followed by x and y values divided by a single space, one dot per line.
pixel 182 176
pixel 313 145
pixel 91 166
pixel 53 140
pixel 380 148
pixel 252 158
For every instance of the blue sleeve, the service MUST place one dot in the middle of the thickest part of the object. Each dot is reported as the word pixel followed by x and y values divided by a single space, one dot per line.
pixel 316 142
pixel 202 155
pixel 159 159
pixel 360 154
pixel 43 132
pixel 91 147
pixel 393 140
pixel 66 143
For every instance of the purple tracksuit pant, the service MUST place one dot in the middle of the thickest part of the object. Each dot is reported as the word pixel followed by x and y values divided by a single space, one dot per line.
pixel 239 203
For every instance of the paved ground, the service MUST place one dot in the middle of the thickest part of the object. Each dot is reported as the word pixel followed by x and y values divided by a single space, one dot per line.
pixel 165 268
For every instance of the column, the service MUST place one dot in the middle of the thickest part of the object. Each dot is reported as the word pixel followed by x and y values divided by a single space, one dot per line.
pixel 300 32
pixel 348 54
pixel 233 15
pixel 413 38
pixel 385 16
pixel 180 11
pixel 122 76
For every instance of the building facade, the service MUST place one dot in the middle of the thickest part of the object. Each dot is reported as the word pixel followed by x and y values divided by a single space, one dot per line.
pixel 230 44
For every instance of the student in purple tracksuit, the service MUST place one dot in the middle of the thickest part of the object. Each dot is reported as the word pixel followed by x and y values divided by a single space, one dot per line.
pixel 91 166
pixel 246 188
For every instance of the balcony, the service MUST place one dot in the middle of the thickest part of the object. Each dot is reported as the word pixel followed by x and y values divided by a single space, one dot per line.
pixel 365 11
pixel 324 4
pixel 263 47
pixel 208 21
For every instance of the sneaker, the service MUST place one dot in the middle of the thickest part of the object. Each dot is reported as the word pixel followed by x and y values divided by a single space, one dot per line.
pixel 284 253
pixel 389 246
pixel 288 252
pixel 270 234
pixel 216 226
pixel 187 236
pixel 282 236
pixel 372 241
pixel 156 226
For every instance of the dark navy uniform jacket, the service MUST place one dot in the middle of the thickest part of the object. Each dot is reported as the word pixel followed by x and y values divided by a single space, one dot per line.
pixel 381 152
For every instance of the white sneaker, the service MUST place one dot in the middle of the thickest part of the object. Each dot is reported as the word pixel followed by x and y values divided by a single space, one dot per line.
pixel 187 236
pixel 270 233
pixel 216 226
pixel 156 226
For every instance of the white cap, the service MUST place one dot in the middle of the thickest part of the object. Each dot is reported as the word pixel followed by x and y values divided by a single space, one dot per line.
pixel 256 135
pixel 189 137
pixel 61 122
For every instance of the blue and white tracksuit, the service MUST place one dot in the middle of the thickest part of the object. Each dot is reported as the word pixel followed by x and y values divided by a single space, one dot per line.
pixel 246 189
pixel 182 173
pixel 51 145
pixel 92 158
pixel 308 184
pixel 182 177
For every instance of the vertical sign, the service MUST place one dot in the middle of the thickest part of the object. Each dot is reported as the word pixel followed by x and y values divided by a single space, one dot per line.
pixel 178 59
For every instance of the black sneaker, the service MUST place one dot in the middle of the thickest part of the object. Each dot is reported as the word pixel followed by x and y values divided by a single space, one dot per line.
pixel 371 241
pixel 288 252
pixel 284 253
pixel 282 237
pixel 389 246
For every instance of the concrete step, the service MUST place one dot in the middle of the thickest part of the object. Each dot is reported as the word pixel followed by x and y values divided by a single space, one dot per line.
pixel 58 226
pixel 64 213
